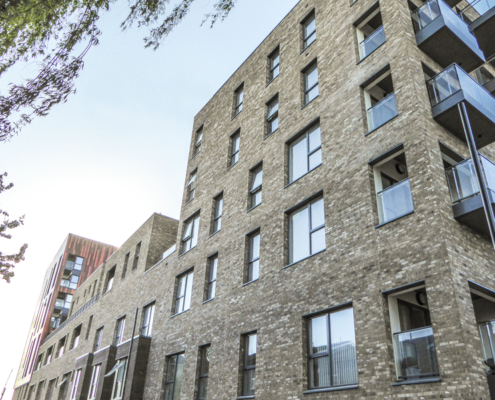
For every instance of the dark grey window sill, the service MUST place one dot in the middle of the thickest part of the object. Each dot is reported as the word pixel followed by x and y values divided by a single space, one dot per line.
pixel 416 382
pixel 252 208
pixel 245 397
pixel 373 52
pixel 270 134
pixel 331 389
pixel 302 176
pixel 395 219
pixel 235 116
pixel 213 234
pixel 307 104
pixel 378 127
pixel 175 315
pixel 308 46
pixel 305 258
pixel 207 301
pixel 188 201
pixel 248 283
pixel 268 84
pixel 233 165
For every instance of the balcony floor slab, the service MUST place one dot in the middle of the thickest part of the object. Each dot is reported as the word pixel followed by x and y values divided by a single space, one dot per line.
pixel 470 212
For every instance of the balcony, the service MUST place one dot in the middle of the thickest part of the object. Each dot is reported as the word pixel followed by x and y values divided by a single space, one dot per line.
pixel 445 37
pixel 464 191
pixel 480 15
pixel 382 112
pixel 452 86
pixel 371 43
pixel 415 354
pixel 485 75
pixel 395 201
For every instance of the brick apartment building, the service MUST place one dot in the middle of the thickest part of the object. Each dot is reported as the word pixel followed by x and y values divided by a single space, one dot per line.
pixel 334 238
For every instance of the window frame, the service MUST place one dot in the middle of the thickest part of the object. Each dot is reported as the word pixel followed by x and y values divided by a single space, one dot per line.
pixel 198 140
pixel 252 260
pixel 294 140
pixel 305 23
pixel 115 385
pixel 235 138
pixel 253 191
pixel 210 281
pixel 191 185
pixel 193 220
pixel 75 384
pixel 126 264
pixel 204 351
pixel 306 72
pixel 271 67
pixel 109 283
pixel 189 276
pixel 119 331
pixel 238 99
pixel 95 378
pixel 270 118
pixel 174 381
pixel 245 367
pixel 98 339
pixel 217 216
pixel 136 256
pixel 148 317
pixel 76 339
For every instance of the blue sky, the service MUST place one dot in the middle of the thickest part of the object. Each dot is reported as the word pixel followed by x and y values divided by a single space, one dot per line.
pixel 99 165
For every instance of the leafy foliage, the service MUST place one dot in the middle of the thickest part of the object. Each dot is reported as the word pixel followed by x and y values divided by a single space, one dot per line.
pixel 52 31
pixel 7 262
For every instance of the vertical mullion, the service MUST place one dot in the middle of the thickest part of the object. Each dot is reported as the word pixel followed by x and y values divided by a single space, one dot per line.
pixel 330 353
pixel 309 225
pixel 307 150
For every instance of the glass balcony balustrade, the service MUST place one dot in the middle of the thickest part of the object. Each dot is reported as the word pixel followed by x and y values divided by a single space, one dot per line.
pixel 382 112
pixel 59 303
pixel 372 42
pixel 476 9
pixel 395 201
pixel 415 354
pixel 462 182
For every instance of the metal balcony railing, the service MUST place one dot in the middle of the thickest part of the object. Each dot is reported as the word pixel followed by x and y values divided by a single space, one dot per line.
pixel 395 201
pixel 382 112
pixel 462 181
pixel 433 9
pixel 372 42
pixel 476 9
pixel 415 354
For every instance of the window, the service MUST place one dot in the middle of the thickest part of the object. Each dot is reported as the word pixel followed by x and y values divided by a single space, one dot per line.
pixel 93 386
pixel 64 387
pixel 249 364
pixel 75 385
pixel 184 291
pixel 369 30
pixel 74 262
pixel 149 313
pixel 136 256
pixel 235 141
pixel 94 288
pixel 305 153
pixel 49 354
pixel 212 277
pixel 274 60
pixel 89 327
pixel 255 187
pixel 392 186
pixel 126 263
pixel 379 98
pixel 98 337
pixel 61 347
pixel 311 90
pixel 191 185
pixel 173 377
pixel 119 331
pixel 38 362
pixel 217 217
pixel 272 116
pixel 332 350
pixel 110 276
pixel 307 231
pixel 197 142
pixel 413 341
pixel 190 237
pixel 49 390
pixel 76 336
pixel 204 366
pixel 118 383
pixel 309 30
pixel 239 98
pixel 253 270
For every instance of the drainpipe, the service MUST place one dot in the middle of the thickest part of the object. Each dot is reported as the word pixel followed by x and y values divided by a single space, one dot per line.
pixel 129 356
pixel 480 177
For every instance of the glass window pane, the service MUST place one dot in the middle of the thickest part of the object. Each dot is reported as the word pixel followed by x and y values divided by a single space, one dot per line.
pixel 212 287
pixel 317 214
pixel 311 77
pixel 254 271
pixel 318 241
pixel 344 366
pixel 309 27
pixel 314 138
pixel 273 107
pixel 254 248
pixel 256 198
pixel 248 382
pixel 203 385
pixel 219 207
pixel 312 94
pixel 315 159
pixel 299 235
pixel 178 376
pixel 236 140
pixel 319 372
pixel 169 392
pixel 213 269
pixel 318 335
pixel 179 305
pixel 298 159
pixel 257 178
pixel 273 125
pixel 181 287
pixel 187 229
pixel 194 239
pixel 187 301
pixel 251 343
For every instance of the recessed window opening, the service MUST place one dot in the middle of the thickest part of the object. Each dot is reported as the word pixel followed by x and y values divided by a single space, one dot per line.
pixel 191 185
pixel 235 142
pixel 211 286
pixel 380 101
pixel 392 187
pixel 184 292
pixel 414 347
pixel 311 89
pixel 305 153
pixel 253 268
pixel 190 236
pixel 76 336
pixel 249 351
pixel 173 376
pixel 98 338
pixel 110 277
pixel 49 354
pixel 149 314
pixel 119 331
pixel 239 100
pixel 307 230
pixel 61 346
pixel 370 33
pixel 272 116
pixel 255 188
pixel 332 350
pixel 126 263
pixel 274 62
pixel 93 386
pixel 136 256
pixel 204 367
pixel 75 384
pixel 198 140
pixel 309 30
pixel 118 383
pixel 218 212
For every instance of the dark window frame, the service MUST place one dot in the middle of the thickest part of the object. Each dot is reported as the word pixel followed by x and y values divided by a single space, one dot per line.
pixel 172 382
pixel 202 376
pixel 193 220
pixel 211 282
pixel 177 296
pixel 270 118
pixel 238 106
pixel 198 140
pixel 245 367
pixel 250 261
pixel 306 71
pixel 98 339
pixel 136 256
pixel 305 22
pixel 253 191
pixel 292 141
pixel 273 55
pixel 234 151
pixel 147 324
pixel 217 217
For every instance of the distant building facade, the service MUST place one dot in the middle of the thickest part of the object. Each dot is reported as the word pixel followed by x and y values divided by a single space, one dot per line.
pixel 332 241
